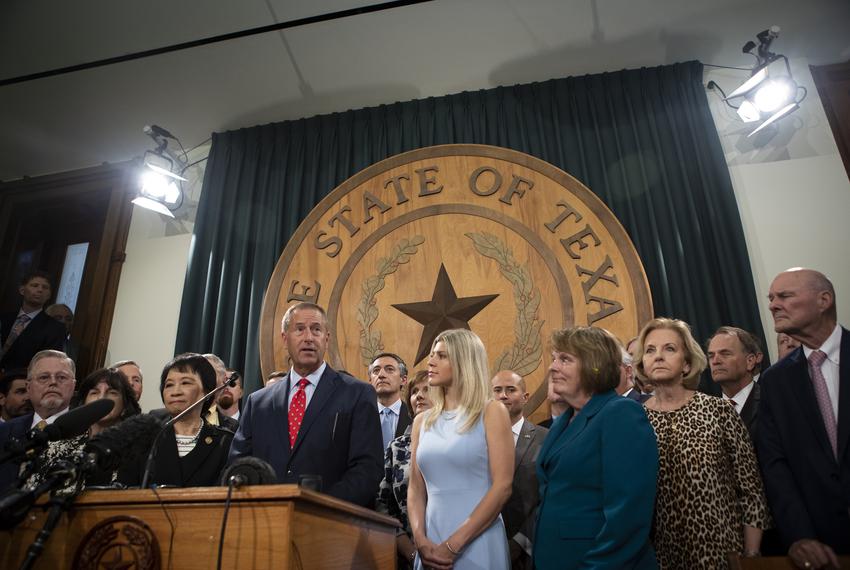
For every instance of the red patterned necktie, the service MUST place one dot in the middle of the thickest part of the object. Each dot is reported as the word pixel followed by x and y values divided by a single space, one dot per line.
pixel 296 410
pixel 816 360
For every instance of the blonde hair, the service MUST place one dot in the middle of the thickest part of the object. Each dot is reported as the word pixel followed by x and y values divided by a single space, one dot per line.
pixel 470 378
pixel 694 355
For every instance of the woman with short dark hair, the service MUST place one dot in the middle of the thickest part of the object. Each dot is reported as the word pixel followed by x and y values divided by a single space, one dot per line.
pixel 191 452
pixel 598 463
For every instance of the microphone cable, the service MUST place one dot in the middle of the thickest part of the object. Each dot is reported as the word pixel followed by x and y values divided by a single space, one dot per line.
pixel 230 486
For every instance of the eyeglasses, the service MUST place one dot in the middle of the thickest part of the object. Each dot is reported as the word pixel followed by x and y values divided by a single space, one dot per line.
pixel 60 378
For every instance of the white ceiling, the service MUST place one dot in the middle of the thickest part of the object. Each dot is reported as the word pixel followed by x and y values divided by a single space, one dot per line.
pixel 89 117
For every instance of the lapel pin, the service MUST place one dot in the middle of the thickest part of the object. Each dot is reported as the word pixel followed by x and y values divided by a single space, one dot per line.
pixel 208 440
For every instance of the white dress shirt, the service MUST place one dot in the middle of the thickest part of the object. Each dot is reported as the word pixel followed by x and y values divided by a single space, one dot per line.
pixel 37 418
pixel 741 397
pixel 516 429
pixel 313 377
pixel 832 348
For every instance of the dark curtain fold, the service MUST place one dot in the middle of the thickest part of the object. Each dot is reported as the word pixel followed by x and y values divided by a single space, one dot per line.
pixel 642 140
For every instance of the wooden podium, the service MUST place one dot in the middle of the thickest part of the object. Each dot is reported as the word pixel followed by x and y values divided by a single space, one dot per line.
pixel 268 527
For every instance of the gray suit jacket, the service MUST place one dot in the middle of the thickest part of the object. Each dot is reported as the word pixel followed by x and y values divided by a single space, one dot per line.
pixel 519 512
pixel 750 411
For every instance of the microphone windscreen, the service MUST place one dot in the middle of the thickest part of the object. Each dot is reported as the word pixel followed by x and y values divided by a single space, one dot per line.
pixel 128 441
pixel 254 470
pixel 75 422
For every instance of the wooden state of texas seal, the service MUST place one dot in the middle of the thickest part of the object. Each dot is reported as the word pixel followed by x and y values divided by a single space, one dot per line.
pixel 453 236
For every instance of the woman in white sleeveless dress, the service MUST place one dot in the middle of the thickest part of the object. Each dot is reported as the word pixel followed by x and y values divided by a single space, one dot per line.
pixel 462 462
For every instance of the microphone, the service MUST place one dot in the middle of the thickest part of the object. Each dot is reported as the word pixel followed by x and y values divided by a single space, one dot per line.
pixel 70 424
pixel 126 442
pixel 248 471
pixel 231 381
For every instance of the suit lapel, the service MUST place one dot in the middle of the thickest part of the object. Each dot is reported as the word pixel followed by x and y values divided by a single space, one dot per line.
pixel 326 387
pixel 403 420
pixel 280 409
pixel 580 422
pixel 844 394
pixel 523 444
pixel 555 432
pixel 750 409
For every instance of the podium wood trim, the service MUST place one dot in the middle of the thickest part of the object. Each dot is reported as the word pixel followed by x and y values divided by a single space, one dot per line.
pixel 269 526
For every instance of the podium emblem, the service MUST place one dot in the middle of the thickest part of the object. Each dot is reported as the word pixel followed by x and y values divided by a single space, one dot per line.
pixel 118 543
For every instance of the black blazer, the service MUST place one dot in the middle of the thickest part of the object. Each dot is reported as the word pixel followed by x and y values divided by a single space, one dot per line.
pixel 339 440
pixel 404 421
pixel 808 489
pixel 13 429
pixel 750 411
pixel 201 467
pixel 42 333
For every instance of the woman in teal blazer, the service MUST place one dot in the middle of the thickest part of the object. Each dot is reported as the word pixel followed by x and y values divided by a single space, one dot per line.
pixel 598 465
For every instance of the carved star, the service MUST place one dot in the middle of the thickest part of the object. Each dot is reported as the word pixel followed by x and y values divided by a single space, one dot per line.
pixel 443 312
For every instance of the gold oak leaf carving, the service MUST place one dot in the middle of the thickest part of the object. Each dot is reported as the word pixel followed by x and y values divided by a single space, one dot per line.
pixel 367 309
pixel 524 356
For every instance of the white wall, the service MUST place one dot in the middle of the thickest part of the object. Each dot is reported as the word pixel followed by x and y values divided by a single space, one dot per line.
pixel 144 326
pixel 792 191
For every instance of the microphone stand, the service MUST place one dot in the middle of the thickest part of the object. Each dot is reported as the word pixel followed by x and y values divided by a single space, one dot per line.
pixel 230 382
pixel 58 505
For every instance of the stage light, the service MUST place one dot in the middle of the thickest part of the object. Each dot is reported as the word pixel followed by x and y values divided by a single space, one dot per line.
pixel 770 93
pixel 160 175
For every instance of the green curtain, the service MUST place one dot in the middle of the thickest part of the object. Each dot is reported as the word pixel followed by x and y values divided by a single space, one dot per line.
pixel 643 140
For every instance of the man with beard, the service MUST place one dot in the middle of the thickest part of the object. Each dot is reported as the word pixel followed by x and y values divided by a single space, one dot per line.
pixel 230 397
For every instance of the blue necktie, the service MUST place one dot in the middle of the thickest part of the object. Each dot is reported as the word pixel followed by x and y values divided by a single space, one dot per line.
pixel 387 429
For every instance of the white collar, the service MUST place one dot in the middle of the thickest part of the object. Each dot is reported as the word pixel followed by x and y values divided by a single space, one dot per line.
pixel 518 426
pixel 313 377
pixel 37 418
pixel 395 407
pixel 741 397
pixel 831 347
pixel 32 315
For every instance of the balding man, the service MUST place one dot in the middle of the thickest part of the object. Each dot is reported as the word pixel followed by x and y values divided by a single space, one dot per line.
pixel 519 512
pixel 803 439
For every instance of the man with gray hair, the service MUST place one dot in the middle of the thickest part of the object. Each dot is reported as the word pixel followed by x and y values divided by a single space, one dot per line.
pixel 733 357
pixel 52 377
pixel 388 374
pixel 316 423
pixel 803 440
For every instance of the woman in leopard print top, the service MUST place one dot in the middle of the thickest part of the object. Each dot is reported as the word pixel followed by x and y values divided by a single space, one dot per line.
pixel 710 499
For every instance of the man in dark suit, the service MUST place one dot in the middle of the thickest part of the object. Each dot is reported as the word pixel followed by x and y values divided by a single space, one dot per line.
pixel 316 421
pixel 51 384
pixel 733 356
pixel 519 513
pixel 30 329
pixel 627 387
pixel 388 374
pixel 803 439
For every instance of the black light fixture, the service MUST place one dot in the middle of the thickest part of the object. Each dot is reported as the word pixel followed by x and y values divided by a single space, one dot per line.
pixel 771 92
pixel 161 174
